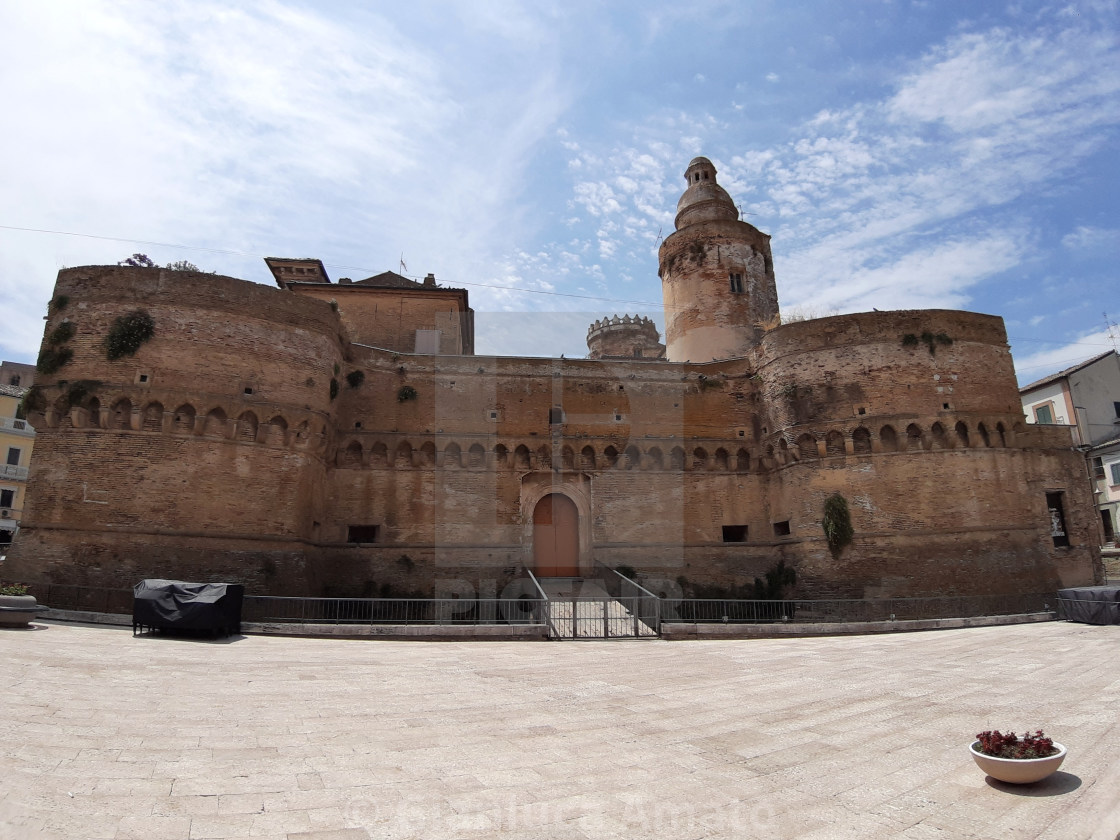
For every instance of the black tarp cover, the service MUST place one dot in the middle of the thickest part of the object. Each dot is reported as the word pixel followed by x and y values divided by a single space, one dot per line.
pixel 1090 604
pixel 176 604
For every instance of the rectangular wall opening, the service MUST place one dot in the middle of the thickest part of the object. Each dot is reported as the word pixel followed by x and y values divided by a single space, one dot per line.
pixel 734 533
pixel 362 533
pixel 1057 520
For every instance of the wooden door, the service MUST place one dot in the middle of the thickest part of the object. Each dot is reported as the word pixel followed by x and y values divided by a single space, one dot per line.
pixel 556 537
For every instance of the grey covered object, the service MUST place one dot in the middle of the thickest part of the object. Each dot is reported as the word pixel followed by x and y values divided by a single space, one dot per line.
pixel 179 605
pixel 1090 604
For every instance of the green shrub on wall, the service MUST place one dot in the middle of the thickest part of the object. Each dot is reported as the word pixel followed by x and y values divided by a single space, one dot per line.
pixel 61 334
pixel 127 333
pixel 837 522
pixel 334 388
pixel 355 378
pixel 51 359
pixel 406 393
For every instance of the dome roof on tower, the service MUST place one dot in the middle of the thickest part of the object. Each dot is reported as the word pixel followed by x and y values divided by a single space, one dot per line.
pixel 704 200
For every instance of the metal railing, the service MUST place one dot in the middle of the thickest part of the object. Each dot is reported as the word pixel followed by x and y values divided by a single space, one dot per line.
pixel 64 596
pixel 443 611
pixel 696 611
pixel 632 612
pixel 645 606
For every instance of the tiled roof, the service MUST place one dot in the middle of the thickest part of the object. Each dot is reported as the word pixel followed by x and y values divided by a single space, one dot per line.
pixel 12 391
pixel 1054 377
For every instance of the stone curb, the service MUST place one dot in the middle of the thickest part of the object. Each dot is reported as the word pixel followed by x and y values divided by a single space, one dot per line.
pixel 675 631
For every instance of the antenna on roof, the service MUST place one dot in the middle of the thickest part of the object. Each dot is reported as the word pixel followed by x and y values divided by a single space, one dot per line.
pixel 1113 331
pixel 404 267
pixel 659 229
pixel 742 214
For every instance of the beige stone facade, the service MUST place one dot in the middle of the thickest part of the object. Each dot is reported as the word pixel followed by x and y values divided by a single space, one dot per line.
pixel 294 440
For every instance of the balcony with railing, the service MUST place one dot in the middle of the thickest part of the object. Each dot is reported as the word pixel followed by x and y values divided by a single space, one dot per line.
pixel 13 472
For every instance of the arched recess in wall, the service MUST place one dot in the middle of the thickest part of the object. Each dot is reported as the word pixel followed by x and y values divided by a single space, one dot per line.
pixel 501 456
pixel 247 427
pixel 426 455
pixel 277 432
pixel 888 439
pixel 379 456
pixel 452 456
pixel 656 459
pixel 783 455
pixel 182 421
pixel 1001 433
pixel 587 458
pixel 476 456
pixel 834 443
pixel 567 458
pixel 962 434
pixel 676 459
pixel 742 461
pixel 521 457
pixel 861 441
pixel 915 440
pixel 721 459
pixel 215 423
pixel 699 459
pixel 120 416
pixel 153 417
pixel 94 416
pixel 610 457
pixel 807 447
pixel 985 438
pixel 633 458
pixel 544 457
pixel 403 458
pixel 351 456
pixel 937 432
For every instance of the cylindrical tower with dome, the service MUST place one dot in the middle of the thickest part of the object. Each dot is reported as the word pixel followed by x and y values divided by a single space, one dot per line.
pixel 717 275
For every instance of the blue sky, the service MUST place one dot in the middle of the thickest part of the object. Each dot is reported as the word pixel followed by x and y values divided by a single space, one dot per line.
pixel 901 154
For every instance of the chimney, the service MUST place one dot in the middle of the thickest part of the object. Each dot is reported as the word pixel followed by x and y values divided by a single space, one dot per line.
pixel 430 280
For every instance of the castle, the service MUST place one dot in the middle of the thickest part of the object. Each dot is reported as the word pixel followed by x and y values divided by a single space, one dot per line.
pixel 343 439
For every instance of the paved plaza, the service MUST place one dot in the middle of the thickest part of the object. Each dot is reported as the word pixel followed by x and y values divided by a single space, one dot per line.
pixel 109 736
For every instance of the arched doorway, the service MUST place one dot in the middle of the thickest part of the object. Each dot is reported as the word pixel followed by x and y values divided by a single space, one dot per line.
pixel 556 537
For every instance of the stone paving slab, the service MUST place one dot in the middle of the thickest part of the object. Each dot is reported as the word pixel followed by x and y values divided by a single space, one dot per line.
pixel 106 735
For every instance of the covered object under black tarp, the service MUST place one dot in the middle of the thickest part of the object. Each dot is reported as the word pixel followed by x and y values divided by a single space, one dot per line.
pixel 178 605
pixel 1090 604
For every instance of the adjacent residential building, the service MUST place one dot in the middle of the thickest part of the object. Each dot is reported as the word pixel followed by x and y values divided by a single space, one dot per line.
pixel 17 438
pixel 1086 397
pixel 17 373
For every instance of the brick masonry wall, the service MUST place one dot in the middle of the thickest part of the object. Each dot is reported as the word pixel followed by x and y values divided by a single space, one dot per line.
pixel 660 456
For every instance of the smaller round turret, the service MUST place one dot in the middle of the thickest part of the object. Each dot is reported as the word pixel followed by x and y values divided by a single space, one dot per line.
pixel 624 338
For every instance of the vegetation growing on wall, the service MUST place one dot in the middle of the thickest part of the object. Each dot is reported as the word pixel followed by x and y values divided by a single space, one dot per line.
pixel 61 334
pixel 52 359
pixel 127 333
pixel 778 577
pixel 355 378
pixel 406 393
pixel 33 400
pixel 837 522
pixel 60 303
pixel 334 387
pixel 78 393
pixel 930 340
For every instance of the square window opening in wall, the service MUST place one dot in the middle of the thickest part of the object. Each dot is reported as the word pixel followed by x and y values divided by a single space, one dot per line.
pixel 734 533
pixel 742 433
pixel 362 533
pixel 617 417
pixel 247 390
pixel 357 424
pixel 555 416
pixel 1055 506
pixel 493 414
pixel 945 406
pixel 781 529
pixel 143 378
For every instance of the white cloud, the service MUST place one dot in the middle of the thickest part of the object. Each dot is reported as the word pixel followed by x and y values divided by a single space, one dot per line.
pixel 1088 238
pixel 1036 364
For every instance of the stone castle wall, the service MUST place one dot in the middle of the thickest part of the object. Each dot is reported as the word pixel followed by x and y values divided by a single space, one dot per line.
pixel 186 474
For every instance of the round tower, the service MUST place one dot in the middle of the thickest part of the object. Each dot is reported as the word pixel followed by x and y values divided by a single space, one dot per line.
pixel 717 275
pixel 624 338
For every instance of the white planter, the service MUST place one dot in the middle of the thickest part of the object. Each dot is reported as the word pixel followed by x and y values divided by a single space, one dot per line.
pixel 1018 771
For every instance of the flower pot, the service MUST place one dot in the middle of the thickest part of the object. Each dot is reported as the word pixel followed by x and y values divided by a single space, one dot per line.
pixel 18 610
pixel 1018 771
